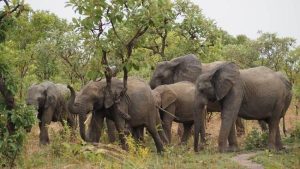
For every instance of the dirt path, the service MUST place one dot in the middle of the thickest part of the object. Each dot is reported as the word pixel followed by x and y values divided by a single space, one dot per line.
pixel 244 160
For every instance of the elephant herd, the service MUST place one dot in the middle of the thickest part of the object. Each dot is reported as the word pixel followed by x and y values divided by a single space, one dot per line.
pixel 181 90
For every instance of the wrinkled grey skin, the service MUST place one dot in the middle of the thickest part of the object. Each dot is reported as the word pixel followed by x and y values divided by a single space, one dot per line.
pixel 178 100
pixel 254 94
pixel 188 68
pixel 184 68
pixel 140 106
pixel 50 101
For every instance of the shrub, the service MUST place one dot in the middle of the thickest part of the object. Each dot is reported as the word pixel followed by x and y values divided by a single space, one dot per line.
pixel 60 143
pixel 295 134
pixel 11 145
pixel 256 140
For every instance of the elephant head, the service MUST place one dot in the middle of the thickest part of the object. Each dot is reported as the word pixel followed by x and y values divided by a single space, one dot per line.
pixel 184 68
pixel 214 85
pixel 95 96
pixel 41 96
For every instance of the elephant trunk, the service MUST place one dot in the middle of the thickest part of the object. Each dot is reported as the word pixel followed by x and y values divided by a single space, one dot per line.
pixel 199 124
pixel 153 83
pixel 81 109
pixel 82 119
pixel 71 100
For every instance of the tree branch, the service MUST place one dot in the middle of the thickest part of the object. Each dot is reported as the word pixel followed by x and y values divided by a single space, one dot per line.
pixel 9 12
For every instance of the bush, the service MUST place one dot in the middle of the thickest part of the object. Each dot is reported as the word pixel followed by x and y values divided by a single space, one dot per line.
pixel 23 118
pixel 60 144
pixel 256 140
pixel 295 134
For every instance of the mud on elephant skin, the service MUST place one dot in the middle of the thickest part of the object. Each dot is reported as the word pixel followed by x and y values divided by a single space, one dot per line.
pixel 138 103
pixel 50 101
pixel 254 94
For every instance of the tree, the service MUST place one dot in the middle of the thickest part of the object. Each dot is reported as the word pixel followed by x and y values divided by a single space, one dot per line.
pixel 242 51
pixel 274 50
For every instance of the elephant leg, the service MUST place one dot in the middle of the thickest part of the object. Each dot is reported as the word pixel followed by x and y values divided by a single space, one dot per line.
pixel 263 125
pixel 138 133
pixel 95 127
pixel 240 128
pixel 163 136
pixel 186 133
pixel 167 126
pixel 180 130
pixel 111 130
pixel 120 126
pixel 232 140
pixel 71 122
pixel 230 109
pixel 158 142
pixel 273 124
pixel 167 122
pixel 279 145
pixel 43 124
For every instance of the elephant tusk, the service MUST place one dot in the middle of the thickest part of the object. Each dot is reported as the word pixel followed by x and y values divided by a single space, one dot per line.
pixel 167 112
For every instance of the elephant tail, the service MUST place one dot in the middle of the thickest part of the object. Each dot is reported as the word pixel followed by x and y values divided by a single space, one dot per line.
pixel 287 104
pixel 283 126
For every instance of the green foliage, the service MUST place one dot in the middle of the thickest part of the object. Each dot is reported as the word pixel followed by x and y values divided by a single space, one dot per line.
pixel 295 134
pixel 11 145
pixel 256 140
pixel 60 142
pixel 7 76
pixel 283 159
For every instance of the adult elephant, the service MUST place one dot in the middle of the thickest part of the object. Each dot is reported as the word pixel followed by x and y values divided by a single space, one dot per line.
pixel 188 68
pixel 255 94
pixel 112 103
pixel 177 102
pixel 50 100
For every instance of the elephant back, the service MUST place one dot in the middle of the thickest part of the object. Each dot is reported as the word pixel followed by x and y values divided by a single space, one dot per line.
pixel 188 68
pixel 208 67
pixel 285 80
pixel 64 91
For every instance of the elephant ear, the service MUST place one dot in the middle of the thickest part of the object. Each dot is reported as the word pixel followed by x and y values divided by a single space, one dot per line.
pixel 168 97
pixel 224 78
pixel 108 99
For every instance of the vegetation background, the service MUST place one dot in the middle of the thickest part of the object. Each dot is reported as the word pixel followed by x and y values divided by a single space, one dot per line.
pixel 135 34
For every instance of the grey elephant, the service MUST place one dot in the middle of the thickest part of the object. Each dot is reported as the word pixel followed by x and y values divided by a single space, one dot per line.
pixel 50 101
pixel 177 102
pixel 254 94
pixel 138 103
pixel 188 68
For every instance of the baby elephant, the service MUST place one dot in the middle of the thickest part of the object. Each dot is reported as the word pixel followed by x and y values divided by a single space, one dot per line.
pixel 50 100
pixel 176 103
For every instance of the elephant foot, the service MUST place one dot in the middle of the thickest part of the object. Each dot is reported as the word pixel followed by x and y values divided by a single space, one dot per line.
pixel 199 148
pixel 125 147
pixel 272 147
pixel 182 143
pixel 233 148
pixel 42 143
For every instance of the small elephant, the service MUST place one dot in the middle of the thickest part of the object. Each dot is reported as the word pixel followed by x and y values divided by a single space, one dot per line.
pixel 138 103
pixel 177 102
pixel 253 94
pixel 50 100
